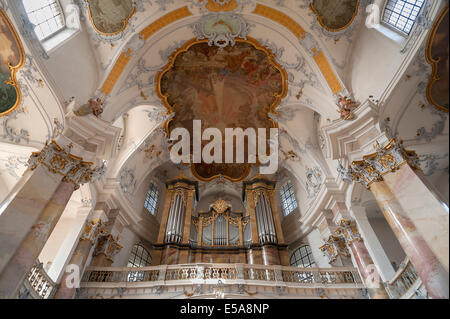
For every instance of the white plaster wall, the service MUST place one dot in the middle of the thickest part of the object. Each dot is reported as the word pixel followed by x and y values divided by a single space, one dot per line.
pixel 315 241
pixel 388 240
pixel 127 239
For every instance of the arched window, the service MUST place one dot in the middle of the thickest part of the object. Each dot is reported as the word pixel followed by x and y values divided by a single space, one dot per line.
pixel 151 199
pixel 302 257
pixel 402 14
pixel 46 15
pixel 139 257
pixel 288 200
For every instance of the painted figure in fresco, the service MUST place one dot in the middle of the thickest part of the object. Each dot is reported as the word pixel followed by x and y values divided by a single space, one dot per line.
pixel 346 107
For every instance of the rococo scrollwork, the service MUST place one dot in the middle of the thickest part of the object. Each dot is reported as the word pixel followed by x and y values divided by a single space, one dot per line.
pixel 60 161
pixel 386 159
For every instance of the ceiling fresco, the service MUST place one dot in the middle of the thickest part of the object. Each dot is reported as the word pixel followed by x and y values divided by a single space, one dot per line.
pixel 335 15
pixel 438 56
pixel 11 59
pixel 110 17
pixel 231 87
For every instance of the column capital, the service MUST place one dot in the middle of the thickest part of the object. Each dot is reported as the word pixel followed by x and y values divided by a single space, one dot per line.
pixel 333 247
pixel 384 160
pixel 107 245
pixel 92 230
pixel 60 161
pixel 348 229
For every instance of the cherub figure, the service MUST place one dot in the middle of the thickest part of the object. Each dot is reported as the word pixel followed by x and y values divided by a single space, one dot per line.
pixel 346 106
pixel 93 106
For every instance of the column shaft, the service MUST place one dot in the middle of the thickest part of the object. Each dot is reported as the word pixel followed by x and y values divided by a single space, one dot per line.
pixel 432 273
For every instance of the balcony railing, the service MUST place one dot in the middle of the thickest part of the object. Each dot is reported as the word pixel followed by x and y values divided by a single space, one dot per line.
pixel 405 282
pixel 228 273
pixel 38 285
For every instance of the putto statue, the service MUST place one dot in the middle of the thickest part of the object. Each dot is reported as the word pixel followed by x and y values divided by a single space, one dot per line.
pixel 346 107
pixel 93 106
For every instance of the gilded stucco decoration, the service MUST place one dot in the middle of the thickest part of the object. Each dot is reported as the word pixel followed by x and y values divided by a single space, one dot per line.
pixel 109 18
pixel 12 58
pixel 60 161
pixel 335 15
pixel 226 87
pixel 437 55
pixel 385 160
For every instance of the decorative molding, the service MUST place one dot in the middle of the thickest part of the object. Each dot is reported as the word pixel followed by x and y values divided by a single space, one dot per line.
pixel 221 29
pixel 128 181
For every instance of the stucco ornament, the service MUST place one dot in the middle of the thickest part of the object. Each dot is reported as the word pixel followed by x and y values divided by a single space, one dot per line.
pixel 221 29
pixel 60 161
pixel 386 159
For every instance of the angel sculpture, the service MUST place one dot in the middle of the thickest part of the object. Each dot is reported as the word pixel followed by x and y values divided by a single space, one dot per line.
pixel 346 106
pixel 93 106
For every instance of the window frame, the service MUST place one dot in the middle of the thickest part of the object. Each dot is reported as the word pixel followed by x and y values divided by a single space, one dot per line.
pixel 139 254
pixel 309 256
pixel 394 28
pixel 55 33
pixel 149 200
pixel 291 196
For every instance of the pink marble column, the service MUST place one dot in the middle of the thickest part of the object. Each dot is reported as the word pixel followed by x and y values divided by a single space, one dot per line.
pixel 24 257
pixel 430 270
pixel 368 270
pixel 79 258
pixel 424 207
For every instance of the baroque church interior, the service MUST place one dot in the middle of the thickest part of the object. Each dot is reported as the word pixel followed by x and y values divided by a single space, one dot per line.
pixel 93 206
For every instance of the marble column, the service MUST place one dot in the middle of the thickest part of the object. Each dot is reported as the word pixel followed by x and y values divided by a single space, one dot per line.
pixel 388 173
pixel 366 266
pixel 26 254
pixel 91 231
pixel 425 262
pixel 30 213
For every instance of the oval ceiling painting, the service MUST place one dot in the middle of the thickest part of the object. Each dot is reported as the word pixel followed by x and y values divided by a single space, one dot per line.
pixel 110 17
pixel 335 15
pixel 438 57
pixel 11 59
pixel 232 87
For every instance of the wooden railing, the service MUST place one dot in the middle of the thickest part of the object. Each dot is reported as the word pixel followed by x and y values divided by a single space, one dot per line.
pixel 37 285
pixel 228 273
pixel 405 279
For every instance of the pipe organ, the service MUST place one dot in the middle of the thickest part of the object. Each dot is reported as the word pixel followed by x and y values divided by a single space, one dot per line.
pixel 175 223
pixel 220 235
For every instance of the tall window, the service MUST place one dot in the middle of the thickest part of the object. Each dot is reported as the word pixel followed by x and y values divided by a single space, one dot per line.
pixel 151 199
pixel 402 14
pixel 46 15
pixel 302 257
pixel 288 200
pixel 139 257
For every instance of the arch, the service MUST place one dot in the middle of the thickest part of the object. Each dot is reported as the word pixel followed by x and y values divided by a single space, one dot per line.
pixel 306 39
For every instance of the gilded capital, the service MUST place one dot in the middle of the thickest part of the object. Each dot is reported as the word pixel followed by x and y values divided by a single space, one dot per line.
pixel 348 229
pixel 91 230
pixel 107 245
pixel 60 161
pixel 333 247
pixel 385 160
